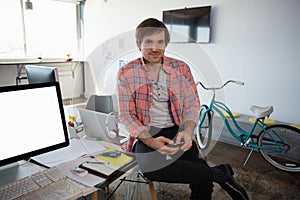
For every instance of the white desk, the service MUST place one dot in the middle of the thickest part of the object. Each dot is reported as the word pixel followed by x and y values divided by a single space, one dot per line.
pixel 71 156
pixel 64 159
pixel 65 189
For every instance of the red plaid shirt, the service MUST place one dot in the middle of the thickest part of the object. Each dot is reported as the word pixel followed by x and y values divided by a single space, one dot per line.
pixel 136 94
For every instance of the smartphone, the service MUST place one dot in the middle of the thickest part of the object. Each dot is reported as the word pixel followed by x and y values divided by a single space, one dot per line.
pixel 176 144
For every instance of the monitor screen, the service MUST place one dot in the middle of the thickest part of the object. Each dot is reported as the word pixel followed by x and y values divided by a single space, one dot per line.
pixel 32 121
pixel 41 74
pixel 188 25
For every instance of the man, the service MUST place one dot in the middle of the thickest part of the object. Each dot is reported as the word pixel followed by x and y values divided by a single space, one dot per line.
pixel 159 105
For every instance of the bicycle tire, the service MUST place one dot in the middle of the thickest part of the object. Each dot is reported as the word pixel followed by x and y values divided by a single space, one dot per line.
pixel 203 131
pixel 286 161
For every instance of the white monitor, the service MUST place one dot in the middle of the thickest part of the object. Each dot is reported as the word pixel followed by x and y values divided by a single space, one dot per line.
pixel 32 121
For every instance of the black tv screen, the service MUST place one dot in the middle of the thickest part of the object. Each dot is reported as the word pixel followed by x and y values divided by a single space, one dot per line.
pixel 191 25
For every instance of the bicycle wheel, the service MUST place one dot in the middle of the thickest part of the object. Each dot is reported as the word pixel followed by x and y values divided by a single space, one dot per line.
pixel 204 129
pixel 280 146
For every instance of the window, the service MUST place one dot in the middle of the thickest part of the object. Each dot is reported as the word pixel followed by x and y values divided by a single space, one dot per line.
pixel 48 30
pixel 11 34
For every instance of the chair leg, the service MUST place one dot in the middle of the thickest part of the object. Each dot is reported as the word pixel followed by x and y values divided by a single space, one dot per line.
pixel 152 190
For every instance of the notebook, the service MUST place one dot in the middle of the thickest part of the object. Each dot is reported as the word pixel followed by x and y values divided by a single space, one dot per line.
pixel 94 125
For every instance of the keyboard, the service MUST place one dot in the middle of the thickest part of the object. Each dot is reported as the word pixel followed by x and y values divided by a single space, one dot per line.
pixel 28 184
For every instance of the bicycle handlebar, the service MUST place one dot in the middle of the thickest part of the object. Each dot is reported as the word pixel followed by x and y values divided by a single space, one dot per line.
pixel 218 88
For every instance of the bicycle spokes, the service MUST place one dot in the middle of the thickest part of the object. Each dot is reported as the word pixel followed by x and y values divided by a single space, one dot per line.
pixel 280 146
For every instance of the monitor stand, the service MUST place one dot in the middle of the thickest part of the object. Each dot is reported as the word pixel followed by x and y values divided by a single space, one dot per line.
pixel 16 171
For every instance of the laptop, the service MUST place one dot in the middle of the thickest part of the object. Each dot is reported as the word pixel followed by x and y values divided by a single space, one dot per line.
pixel 94 126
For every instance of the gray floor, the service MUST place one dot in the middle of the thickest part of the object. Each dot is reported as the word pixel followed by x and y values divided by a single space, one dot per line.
pixel 260 179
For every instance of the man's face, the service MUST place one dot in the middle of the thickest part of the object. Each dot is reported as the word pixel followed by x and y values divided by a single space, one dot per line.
pixel 153 47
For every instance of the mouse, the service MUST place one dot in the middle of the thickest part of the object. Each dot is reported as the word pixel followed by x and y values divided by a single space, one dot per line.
pixel 79 171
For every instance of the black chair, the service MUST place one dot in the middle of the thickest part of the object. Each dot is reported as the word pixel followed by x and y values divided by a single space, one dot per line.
pixel 100 103
pixel 41 74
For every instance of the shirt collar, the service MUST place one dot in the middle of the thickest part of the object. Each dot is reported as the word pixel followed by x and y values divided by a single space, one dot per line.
pixel 167 67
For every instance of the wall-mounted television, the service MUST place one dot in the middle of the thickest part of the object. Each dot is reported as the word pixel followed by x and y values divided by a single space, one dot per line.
pixel 188 25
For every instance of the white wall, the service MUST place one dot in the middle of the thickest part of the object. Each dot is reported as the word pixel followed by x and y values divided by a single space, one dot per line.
pixel 254 41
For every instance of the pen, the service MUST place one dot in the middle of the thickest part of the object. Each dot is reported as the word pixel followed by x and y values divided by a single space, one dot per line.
pixel 111 154
pixel 95 162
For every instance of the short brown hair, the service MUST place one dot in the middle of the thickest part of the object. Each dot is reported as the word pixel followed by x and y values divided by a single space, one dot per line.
pixel 150 26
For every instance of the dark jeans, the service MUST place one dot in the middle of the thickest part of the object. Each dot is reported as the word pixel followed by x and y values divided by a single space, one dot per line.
pixel 184 167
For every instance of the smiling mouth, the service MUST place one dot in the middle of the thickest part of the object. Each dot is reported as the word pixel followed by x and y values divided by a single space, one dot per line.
pixel 155 54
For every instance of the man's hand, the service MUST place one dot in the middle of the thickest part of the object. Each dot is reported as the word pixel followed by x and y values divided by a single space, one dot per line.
pixel 186 135
pixel 187 138
pixel 161 145
pixel 158 143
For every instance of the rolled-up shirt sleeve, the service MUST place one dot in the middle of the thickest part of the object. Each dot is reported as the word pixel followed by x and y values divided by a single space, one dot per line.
pixel 191 103
pixel 127 105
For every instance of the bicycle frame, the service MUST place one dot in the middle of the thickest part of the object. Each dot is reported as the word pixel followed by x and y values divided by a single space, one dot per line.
pixel 245 137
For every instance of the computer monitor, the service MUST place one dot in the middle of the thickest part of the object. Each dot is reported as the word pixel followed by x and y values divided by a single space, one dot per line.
pixel 32 121
pixel 41 74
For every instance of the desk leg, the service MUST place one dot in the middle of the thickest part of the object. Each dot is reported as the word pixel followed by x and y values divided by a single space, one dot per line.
pixel 95 195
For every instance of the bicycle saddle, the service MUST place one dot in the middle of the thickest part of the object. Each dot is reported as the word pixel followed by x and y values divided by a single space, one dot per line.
pixel 262 112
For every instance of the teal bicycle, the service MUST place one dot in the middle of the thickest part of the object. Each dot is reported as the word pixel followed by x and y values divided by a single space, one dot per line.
pixel 279 144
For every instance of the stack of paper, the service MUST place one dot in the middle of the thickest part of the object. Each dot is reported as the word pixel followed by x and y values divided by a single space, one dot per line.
pixel 108 162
